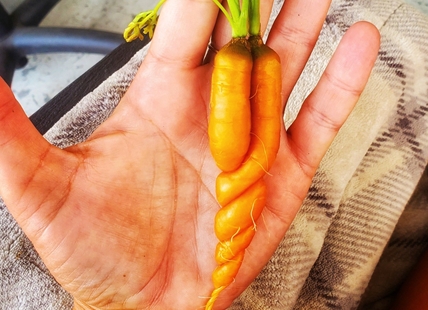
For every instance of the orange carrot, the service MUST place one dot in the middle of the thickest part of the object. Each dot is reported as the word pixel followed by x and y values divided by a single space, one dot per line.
pixel 228 249
pixel 230 124
pixel 240 213
pixel 265 124
pixel 242 192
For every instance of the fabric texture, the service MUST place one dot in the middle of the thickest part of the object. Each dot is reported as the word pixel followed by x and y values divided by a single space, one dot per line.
pixel 364 221
pixel 365 181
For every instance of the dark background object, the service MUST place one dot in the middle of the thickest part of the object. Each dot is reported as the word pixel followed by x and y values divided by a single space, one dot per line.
pixel 20 36
pixel 64 101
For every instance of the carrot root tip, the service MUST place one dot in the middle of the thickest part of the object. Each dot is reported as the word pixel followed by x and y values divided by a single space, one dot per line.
pixel 213 298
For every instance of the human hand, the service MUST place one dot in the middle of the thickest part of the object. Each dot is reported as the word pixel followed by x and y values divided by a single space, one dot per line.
pixel 125 219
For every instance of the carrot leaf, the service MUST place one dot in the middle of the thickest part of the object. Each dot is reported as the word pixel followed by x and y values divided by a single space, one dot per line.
pixel 238 16
pixel 254 28
pixel 143 23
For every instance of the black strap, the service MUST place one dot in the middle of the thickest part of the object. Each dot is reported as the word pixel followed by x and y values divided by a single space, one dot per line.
pixel 53 110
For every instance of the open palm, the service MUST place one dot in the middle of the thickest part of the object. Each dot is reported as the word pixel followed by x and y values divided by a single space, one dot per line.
pixel 125 219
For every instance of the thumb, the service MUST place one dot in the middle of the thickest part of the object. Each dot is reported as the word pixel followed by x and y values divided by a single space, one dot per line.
pixel 28 163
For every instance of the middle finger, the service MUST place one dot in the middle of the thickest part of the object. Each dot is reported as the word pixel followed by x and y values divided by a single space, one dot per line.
pixel 293 37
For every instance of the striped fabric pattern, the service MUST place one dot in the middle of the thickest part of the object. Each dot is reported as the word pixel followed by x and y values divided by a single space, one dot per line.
pixel 371 177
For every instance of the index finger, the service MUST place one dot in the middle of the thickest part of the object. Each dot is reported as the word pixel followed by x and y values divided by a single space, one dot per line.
pixel 183 32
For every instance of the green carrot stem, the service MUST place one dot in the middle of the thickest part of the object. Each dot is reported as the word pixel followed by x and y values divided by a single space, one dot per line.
pixel 254 27
pixel 238 16
pixel 143 23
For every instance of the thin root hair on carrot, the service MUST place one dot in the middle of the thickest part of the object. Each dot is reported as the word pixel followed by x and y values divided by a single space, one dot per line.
pixel 228 247
pixel 255 93
pixel 235 234
pixel 264 149
pixel 229 260
pixel 251 214
pixel 261 166
pixel 231 252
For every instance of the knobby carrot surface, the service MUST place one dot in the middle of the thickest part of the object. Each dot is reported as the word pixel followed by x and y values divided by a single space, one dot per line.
pixel 240 213
pixel 241 193
pixel 226 250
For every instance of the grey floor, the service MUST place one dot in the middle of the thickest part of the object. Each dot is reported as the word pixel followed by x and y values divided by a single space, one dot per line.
pixel 46 74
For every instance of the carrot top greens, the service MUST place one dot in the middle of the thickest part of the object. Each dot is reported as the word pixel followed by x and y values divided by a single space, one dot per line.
pixel 145 22
pixel 254 27
pixel 243 16
pixel 237 17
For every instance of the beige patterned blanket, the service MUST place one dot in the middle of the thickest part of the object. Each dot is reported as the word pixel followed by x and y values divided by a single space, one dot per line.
pixel 364 222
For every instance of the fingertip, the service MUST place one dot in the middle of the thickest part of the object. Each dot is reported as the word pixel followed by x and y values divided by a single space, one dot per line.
pixel 354 58
pixel 8 103
pixel 369 31
pixel 373 37
pixel 362 42
pixel 14 123
pixel 9 108
pixel 183 32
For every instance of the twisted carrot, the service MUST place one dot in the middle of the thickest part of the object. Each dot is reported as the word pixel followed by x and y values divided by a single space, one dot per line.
pixel 242 192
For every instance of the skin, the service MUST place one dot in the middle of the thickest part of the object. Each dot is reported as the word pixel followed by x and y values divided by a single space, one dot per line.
pixel 125 219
